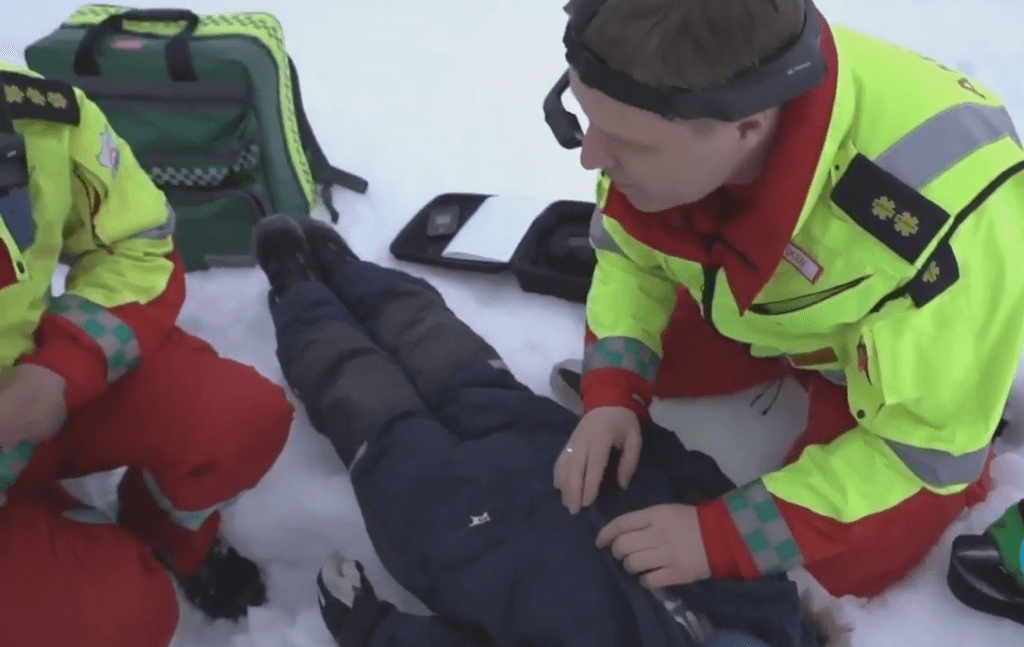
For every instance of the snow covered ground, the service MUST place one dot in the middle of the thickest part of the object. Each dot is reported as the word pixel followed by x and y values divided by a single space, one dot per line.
pixel 429 97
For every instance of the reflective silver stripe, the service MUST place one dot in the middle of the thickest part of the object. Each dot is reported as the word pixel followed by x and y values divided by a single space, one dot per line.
pixel 160 231
pixel 945 139
pixel 114 336
pixel 764 530
pixel 625 353
pixel 599 236
pixel 941 469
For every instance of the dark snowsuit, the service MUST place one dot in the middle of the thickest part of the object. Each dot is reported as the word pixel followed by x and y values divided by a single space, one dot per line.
pixel 451 460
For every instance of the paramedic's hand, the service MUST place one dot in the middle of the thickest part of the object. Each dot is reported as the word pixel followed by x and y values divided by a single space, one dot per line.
pixel 580 468
pixel 31 404
pixel 662 544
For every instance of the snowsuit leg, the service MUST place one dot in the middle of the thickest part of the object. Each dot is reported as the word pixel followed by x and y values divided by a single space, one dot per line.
pixel 358 398
pixel 78 581
pixel 349 387
pixel 461 460
pixel 195 431
pixel 458 375
pixel 410 321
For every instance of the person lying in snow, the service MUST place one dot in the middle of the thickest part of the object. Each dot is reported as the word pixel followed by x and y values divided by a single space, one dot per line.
pixel 450 458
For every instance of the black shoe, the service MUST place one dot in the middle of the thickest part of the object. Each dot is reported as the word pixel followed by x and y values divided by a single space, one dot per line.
pixel 349 606
pixel 985 570
pixel 326 246
pixel 282 253
pixel 226 586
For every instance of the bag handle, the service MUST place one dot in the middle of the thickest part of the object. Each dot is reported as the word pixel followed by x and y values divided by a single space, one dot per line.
pixel 179 62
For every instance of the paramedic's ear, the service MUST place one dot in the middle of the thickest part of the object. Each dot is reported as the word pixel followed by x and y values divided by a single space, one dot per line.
pixel 756 125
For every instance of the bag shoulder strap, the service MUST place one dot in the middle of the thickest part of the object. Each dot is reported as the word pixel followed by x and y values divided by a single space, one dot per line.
pixel 325 174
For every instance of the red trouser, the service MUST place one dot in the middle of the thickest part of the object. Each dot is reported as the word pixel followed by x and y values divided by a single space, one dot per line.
pixel 879 550
pixel 204 428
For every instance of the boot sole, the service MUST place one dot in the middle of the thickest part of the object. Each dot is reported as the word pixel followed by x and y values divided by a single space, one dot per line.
pixel 967 594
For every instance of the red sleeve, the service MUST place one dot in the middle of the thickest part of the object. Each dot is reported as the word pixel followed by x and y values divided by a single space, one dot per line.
pixel 862 558
pixel 66 350
pixel 614 387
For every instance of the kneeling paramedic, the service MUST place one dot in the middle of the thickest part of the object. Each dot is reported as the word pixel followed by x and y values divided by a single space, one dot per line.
pixel 823 205
pixel 99 378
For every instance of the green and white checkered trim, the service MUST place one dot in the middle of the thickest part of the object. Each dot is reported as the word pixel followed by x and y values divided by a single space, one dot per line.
pixel 114 336
pixel 622 352
pixel 12 461
pixel 762 527
pixel 191 519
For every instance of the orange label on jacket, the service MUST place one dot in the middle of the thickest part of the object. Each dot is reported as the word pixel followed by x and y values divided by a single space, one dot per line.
pixel 814 358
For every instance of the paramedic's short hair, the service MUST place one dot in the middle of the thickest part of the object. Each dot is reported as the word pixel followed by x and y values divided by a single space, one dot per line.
pixel 691 43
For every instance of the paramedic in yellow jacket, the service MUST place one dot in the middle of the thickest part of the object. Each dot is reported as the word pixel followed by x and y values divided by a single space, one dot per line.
pixel 100 377
pixel 828 206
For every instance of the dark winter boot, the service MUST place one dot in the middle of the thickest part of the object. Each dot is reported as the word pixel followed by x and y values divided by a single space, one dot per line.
pixel 349 606
pixel 326 246
pixel 985 570
pixel 226 586
pixel 282 253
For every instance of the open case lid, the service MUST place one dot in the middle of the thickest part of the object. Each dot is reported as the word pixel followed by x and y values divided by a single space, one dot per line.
pixel 427 236
pixel 553 257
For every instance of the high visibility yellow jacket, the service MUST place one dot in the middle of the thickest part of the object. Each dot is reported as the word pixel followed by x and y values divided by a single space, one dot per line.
pixel 93 205
pixel 900 275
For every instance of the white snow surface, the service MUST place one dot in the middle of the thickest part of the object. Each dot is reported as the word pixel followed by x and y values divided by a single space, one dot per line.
pixel 423 98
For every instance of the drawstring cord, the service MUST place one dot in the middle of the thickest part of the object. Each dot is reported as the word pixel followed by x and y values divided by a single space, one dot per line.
pixel 778 391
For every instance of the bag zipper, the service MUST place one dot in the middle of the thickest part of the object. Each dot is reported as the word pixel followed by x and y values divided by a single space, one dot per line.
pixel 203 196
pixel 204 93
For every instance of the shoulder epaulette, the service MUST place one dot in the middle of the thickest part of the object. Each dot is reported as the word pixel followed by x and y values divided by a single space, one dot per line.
pixel 939 273
pixel 30 97
pixel 897 215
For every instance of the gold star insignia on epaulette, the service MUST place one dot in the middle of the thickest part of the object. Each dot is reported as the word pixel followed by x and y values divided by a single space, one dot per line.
pixel 13 94
pixel 35 96
pixel 30 97
pixel 939 273
pixel 896 214
pixel 906 224
pixel 884 208
pixel 57 100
